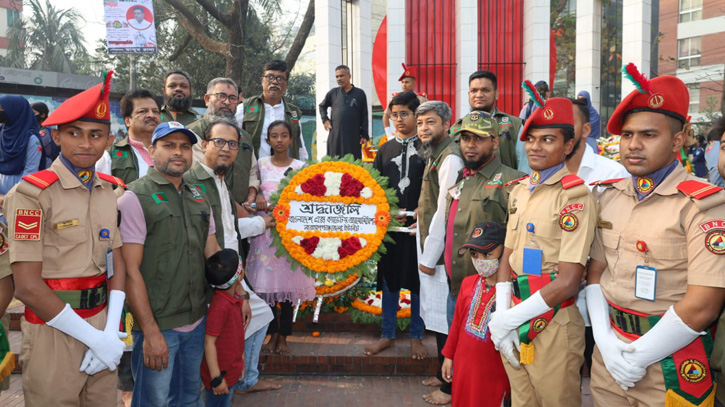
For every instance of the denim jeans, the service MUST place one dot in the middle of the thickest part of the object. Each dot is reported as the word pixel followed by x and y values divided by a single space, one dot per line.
pixel 222 400
pixel 390 313
pixel 180 383
pixel 450 309
pixel 252 347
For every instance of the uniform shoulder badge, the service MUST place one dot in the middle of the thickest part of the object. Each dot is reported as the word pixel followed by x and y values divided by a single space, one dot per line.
pixel 697 189
pixel 516 180
pixel 42 179
pixel 570 181
pixel 606 182
pixel 110 178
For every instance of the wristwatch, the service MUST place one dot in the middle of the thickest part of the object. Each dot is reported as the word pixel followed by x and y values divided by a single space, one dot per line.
pixel 217 380
pixel 244 296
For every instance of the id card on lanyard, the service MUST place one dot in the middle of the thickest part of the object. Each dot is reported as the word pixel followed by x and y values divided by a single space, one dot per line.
pixel 645 282
pixel 106 235
pixel 533 255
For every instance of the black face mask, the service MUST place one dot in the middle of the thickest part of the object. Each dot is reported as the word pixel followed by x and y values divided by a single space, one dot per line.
pixel 3 116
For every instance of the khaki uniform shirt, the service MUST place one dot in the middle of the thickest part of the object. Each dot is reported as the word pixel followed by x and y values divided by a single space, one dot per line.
pixel 70 218
pixel 675 229
pixel 5 270
pixel 545 209
pixel 185 118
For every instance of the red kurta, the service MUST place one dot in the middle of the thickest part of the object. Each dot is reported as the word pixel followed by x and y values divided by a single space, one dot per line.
pixel 479 378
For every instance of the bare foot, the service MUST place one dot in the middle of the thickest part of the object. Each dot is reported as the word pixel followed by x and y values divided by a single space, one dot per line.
pixel 282 347
pixel 417 349
pixel 262 385
pixel 437 398
pixel 126 398
pixel 270 346
pixel 432 382
pixel 378 346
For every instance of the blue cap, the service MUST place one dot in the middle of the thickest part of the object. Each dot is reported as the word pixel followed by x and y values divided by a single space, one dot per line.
pixel 166 128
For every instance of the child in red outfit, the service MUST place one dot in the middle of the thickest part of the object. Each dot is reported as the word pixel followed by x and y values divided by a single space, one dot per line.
pixel 223 362
pixel 469 351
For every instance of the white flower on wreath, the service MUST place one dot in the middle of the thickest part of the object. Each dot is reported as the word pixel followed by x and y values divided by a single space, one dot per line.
pixel 298 190
pixel 366 193
pixel 333 180
pixel 327 249
pixel 375 299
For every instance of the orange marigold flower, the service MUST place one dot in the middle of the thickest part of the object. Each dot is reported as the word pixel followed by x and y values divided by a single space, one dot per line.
pixel 281 213
pixel 382 218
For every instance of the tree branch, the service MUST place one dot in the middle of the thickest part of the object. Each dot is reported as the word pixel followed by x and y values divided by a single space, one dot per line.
pixel 301 38
pixel 193 26
pixel 557 10
pixel 177 52
pixel 224 18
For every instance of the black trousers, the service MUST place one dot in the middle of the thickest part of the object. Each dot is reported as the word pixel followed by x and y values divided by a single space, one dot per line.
pixel 440 344
pixel 281 323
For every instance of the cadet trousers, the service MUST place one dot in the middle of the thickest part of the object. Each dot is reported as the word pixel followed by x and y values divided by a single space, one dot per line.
pixel 554 379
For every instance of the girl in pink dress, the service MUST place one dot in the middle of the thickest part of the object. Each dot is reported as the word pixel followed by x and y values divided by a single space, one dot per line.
pixel 272 277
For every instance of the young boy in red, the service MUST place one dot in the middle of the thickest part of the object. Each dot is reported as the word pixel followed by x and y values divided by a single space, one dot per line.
pixel 223 362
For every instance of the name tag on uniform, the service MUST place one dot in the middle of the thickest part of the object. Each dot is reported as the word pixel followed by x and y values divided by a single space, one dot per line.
pixel 67 224
pixel 645 283
pixel 532 261
pixel 603 224
pixel 109 264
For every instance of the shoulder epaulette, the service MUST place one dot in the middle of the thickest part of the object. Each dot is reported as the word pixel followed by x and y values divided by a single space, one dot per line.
pixel 606 182
pixel 425 95
pixel 42 179
pixel 516 180
pixel 570 181
pixel 697 189
pixel 110 178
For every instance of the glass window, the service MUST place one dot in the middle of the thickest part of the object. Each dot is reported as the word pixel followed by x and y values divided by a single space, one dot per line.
pixel 688 52
pixel 690 10
pixel 694 98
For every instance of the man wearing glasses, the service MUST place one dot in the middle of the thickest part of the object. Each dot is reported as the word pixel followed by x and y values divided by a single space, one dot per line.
pixel 259 111
pixel 221 100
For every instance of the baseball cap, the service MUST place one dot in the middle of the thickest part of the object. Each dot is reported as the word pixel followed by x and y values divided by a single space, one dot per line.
pixel 166 128
pixel 485 237
pixel 480 123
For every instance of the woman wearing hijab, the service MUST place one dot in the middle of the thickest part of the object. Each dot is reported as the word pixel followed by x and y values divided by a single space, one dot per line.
pixel 594 120
pixel 21 152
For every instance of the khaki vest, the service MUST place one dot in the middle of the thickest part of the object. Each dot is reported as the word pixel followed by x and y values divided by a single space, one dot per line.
pixel 124 163
pixel 177 226
pixel 254 121
pixel 428 201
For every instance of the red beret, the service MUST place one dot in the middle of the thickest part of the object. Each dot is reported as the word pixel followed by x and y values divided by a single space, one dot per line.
pixel 407 73
pixel 557 113
pixel 665 94
pixel 90 105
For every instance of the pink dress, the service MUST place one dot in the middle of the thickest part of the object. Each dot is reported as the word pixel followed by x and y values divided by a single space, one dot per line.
pixel 272 277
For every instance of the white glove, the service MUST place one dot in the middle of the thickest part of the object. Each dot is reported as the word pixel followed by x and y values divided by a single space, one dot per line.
pixel 668 336
pixel 105 346
pixel 389 132
pixel 91 365
pixel 506 347
pixel 503 295
pixel 504 321
pixel 609 344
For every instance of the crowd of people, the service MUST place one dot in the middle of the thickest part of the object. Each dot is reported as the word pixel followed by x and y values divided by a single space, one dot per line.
pixel 529 255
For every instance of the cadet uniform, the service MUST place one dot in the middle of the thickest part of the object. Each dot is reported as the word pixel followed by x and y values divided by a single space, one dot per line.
pixel 560 217
pixel 676 226
pixel 55 220
pixel 186 118
pixel 484 198
pixel 7 358
pixel 509 128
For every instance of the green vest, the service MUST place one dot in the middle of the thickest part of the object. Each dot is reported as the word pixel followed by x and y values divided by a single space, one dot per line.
pixel 254 121
pixel 124 163
pixel 483 199
pixel 200 179
pixel 177 226
pixel 237 178
pixel 428 201
pixel 185 118
pixel 508 129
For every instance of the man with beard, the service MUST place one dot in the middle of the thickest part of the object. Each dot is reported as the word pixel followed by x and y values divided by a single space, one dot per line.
pixel 349 125
pixel 129 157
pixel 168 231
pixel 221 99
pixel 259 111
pixel 443 162
pixel 656 280
pixel 177 99
pixel 221 146
pixel 480 188
pixel 482 96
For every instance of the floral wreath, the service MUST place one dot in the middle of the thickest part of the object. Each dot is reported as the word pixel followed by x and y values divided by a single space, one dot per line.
pixel 346 181
pixel 369 309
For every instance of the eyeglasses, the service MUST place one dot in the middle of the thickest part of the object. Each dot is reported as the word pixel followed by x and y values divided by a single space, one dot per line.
pixel 401 115
pixel 224 97
pixel 220 142
pixel 272 78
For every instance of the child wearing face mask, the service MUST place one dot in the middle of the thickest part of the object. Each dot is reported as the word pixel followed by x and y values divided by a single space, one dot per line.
pixel 469 351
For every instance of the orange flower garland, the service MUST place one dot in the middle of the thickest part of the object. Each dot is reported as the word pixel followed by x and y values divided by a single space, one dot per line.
pixel 324 290
pixel 403 312
pixel 311 179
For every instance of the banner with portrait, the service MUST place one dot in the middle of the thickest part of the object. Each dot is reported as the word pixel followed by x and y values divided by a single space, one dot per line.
pixel 130 26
